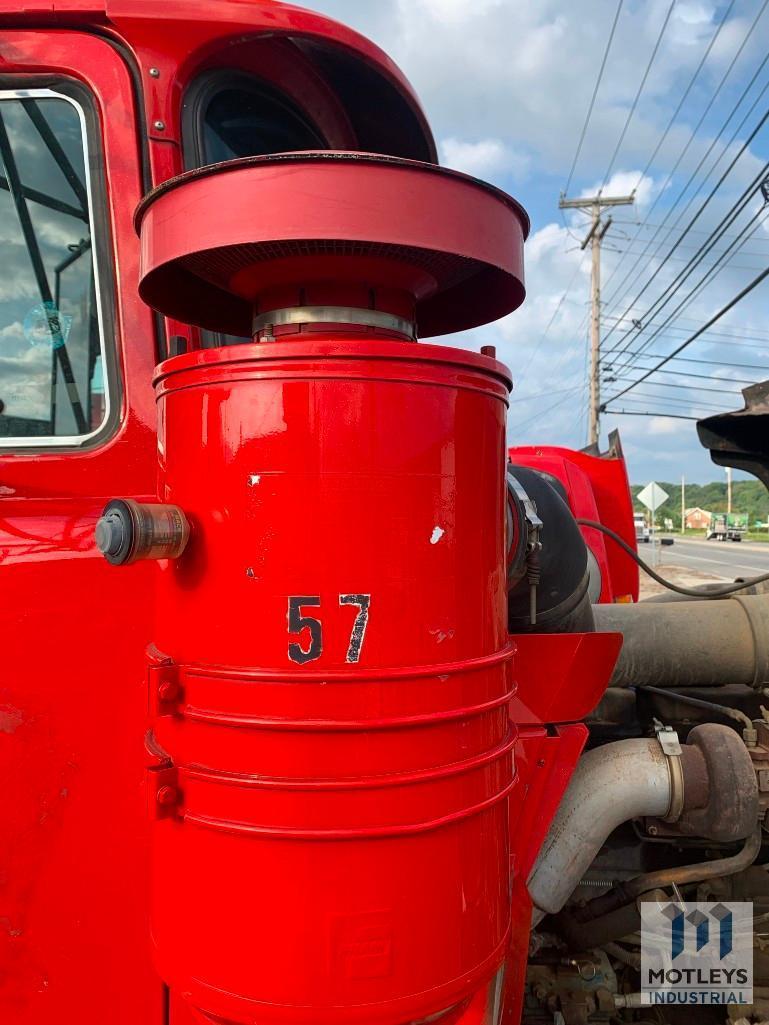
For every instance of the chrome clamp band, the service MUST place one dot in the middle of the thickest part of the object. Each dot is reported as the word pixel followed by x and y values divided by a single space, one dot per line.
pixel 334 315
pixel 671 748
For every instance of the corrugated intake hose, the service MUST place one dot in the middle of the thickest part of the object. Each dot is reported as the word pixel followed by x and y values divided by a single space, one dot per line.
pixel 562 600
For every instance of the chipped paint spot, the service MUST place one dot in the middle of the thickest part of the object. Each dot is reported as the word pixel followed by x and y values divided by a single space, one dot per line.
pixel 436 535
pixel 250 571
pixel 254 479
pixel 10 719
pixel 5 923
pixel 441 635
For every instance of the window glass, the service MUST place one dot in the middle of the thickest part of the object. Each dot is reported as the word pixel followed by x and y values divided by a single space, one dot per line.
pixel 52 380
pixel 246 120
pixel 235 115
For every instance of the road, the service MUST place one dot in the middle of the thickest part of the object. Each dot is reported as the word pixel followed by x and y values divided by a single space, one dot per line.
pixel 724 560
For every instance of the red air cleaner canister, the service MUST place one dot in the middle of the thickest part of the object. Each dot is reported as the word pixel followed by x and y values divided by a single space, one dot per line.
pixel 333 685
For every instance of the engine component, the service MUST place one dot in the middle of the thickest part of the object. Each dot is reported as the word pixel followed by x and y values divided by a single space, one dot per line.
pixel 722 804
pixel 561 598
pixel 690 786
pixel 613 783
pixel 690 643
pixel 334 807
pixel 594 485
pixel 578 990
pixel 682 875
pixel 612 926
pixel 128 531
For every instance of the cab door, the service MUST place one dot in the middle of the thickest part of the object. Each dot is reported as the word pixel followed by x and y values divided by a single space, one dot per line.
pixel 77 427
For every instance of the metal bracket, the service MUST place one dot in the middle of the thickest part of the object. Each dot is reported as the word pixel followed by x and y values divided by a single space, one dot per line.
pixel 534 527
pixel 165 690
pixel 668 739
pixel 164 796
pixel 671 748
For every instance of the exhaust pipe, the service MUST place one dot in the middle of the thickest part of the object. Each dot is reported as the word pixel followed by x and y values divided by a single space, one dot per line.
pixel 706 787
pixel 690 643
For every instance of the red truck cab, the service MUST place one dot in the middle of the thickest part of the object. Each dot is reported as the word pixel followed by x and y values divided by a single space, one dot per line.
pixel 98 104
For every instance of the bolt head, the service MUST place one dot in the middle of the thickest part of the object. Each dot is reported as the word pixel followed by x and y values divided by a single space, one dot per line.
pixel 168 690
pixel 154 73
pixel 167 795
pixel 159 125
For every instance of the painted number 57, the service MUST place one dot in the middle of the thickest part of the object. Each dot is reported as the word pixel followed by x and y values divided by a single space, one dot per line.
pixel 309 630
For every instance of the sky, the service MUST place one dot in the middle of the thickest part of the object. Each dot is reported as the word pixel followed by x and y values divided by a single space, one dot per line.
pixel 506 85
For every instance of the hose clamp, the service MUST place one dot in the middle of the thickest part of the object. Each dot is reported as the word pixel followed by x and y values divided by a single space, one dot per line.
pixel 671 748
pixel 533 541
pixel 297 315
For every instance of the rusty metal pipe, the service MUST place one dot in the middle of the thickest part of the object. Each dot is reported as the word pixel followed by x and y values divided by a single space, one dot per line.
pixel 612 784
pixel 683 875
pixel 690 643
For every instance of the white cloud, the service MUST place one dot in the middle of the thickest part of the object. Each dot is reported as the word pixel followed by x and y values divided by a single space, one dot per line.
pixel 506 85
pixel 486 158
pixel 456 11
pixel 659 425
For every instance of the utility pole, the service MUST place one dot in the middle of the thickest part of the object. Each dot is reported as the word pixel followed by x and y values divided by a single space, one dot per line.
pixel 683 504
pixel 594 205
pixel 728 489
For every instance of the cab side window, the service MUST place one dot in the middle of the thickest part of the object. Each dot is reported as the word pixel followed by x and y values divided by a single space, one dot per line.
pixel 53 387
pixel 232 114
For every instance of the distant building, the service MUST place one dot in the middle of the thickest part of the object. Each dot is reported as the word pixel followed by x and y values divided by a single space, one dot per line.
pixel 697 519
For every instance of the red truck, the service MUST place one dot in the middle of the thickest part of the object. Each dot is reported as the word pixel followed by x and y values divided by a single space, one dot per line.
pixel 299 657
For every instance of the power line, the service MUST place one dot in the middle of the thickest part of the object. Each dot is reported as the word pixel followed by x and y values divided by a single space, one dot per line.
pixel 673 405
pixel 683 259
pixel 694 387
pixel 638 412
pixel 716 317
pixel 710 273
pixel 542 412
pixel 702 377
pixel 595 93
pixel 654 224
pixel 688 300
pixel 688 89
pixel 707 362
pixel 738 335
pixel 675 400
pixel 542 394
pixel 637 97
pixel 710 148
pixel 692 136
pixel 726 221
